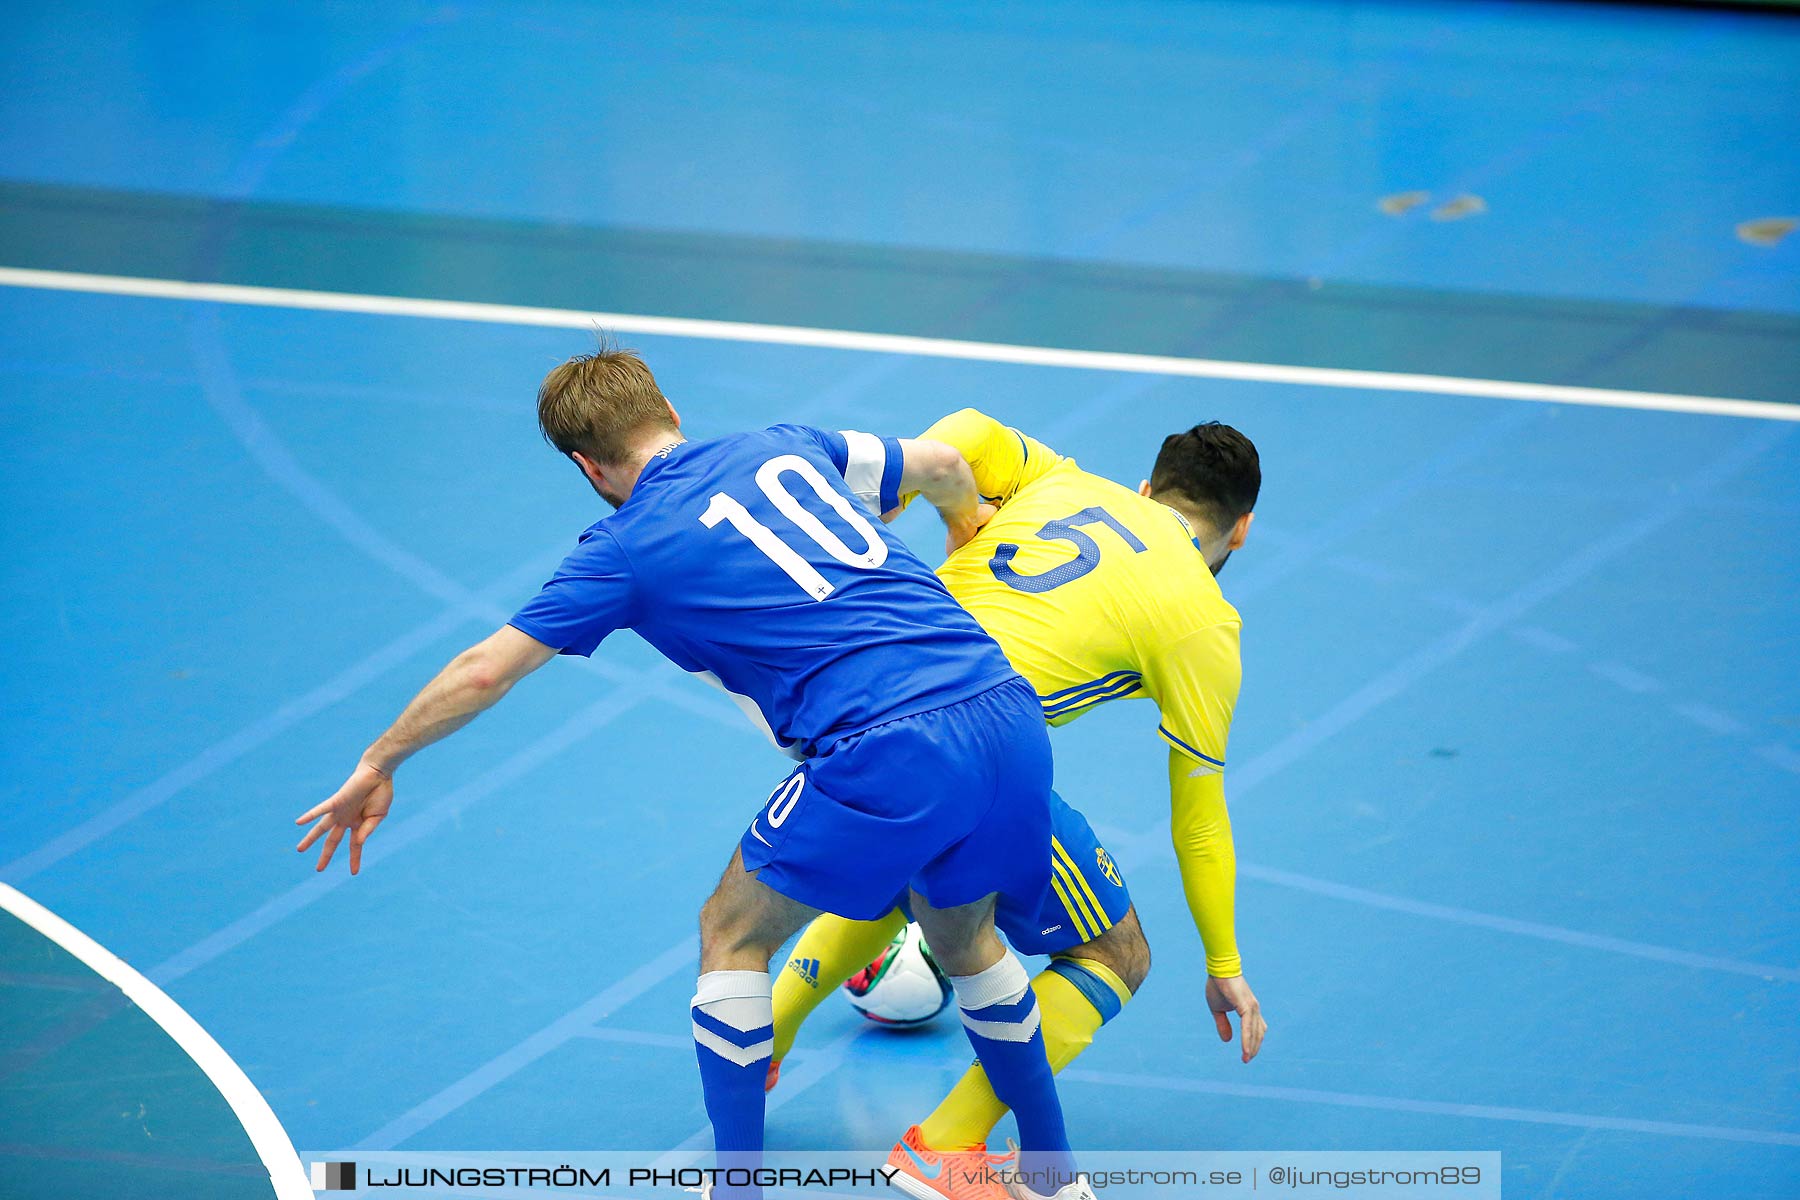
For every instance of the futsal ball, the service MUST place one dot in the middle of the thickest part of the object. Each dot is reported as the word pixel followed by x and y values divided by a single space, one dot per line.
pixel 903 986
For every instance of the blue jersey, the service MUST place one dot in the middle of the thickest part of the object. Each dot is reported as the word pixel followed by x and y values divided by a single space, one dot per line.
pixel 756 562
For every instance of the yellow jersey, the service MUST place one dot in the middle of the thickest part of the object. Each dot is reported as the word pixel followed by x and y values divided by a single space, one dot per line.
pixel 1096 593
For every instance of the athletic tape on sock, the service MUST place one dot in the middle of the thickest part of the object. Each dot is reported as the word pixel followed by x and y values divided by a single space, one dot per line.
pixel 732 985
pixel 1004 981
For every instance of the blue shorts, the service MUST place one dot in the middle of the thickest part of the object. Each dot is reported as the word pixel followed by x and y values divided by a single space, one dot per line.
pixel 1087 894
pixel 954 803
pixel 1086 897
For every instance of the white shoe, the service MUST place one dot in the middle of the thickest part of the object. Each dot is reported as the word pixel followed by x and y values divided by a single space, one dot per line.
pixel 1075 1189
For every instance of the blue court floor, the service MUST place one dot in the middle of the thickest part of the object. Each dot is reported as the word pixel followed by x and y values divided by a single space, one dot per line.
pixel 1517 761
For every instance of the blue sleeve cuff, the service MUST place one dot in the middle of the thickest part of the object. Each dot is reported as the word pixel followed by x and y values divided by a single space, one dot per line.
pixel 890 474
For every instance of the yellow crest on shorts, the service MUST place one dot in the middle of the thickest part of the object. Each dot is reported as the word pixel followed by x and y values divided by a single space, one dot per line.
pixel 1106 866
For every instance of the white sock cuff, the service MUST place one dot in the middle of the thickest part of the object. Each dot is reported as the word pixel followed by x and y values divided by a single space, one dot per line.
pixel 715 986
pixel 1001 983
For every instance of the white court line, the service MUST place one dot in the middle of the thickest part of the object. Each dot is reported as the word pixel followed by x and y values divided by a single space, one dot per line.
pixel 1479 1112
pixel 888 343
pixel 252 1111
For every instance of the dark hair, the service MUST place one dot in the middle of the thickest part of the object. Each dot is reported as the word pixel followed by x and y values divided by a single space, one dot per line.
pixel 596 403
pixel 1212 468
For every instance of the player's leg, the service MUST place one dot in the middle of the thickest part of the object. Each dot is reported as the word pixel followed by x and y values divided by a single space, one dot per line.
pixel 1099 960
pixel 1006 855
pixel 832 949
pixel 835 836
pixel 1001 1018
pixel 741 926
pixel 954 803
pixel 1081 990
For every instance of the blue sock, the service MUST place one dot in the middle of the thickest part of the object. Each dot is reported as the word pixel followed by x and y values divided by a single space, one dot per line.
pixel 734 1032
pixel 1000 1015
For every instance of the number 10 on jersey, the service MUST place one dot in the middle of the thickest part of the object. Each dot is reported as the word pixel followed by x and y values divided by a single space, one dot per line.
pixel 769 479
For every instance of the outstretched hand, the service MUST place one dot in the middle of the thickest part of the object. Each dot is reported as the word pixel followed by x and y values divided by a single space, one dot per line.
pixel 1234 995
pixel 355 808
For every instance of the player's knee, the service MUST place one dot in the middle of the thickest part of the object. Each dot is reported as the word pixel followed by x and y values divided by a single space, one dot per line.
pixel 966 951
pixel 1124 951
pixel 1134 965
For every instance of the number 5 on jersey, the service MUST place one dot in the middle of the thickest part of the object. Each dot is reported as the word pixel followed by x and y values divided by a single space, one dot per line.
pixel 1087 551
pixel 769 478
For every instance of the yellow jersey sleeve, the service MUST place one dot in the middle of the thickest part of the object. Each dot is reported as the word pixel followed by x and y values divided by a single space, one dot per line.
pixel 1002 459
pixel 1201 828
pixel 1195 682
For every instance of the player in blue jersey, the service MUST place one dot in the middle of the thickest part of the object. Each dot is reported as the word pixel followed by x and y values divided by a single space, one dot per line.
pixel 755 561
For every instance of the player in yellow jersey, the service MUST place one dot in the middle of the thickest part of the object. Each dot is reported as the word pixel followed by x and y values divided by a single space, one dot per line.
pixel 1096 593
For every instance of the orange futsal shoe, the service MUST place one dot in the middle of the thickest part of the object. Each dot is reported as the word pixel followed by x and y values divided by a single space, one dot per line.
pixel 774 1076
pixel 927 1174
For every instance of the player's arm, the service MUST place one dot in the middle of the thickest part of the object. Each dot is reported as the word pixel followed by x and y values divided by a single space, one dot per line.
pixel 885 473
pixel 938 472
pixel 1195 682
pixel 590 595
pixel 1001 459
pixel 471 683
pixel 1201 828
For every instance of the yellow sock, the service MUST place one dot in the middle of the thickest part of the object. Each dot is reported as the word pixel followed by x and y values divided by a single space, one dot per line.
pixel 1075 997
pixel 830 951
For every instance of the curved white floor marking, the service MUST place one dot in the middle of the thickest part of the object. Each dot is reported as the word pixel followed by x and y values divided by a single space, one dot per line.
pixel 266 1134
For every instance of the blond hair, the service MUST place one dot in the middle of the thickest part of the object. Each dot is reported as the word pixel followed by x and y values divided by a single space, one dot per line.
pixel 600 403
